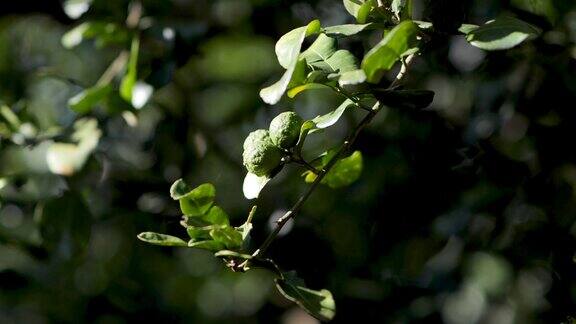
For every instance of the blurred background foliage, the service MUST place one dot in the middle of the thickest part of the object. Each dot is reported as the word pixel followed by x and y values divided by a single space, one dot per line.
pixel 465 212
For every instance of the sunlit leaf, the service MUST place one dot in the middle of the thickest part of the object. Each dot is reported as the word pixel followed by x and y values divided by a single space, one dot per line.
pixel 161 239
pixel 387 52
pixel 501 33
pixel 253 184
pixel 332 117
pixel 288 50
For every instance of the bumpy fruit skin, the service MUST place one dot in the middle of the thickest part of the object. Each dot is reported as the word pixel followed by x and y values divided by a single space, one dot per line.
pixel 260 155
pixel 285 129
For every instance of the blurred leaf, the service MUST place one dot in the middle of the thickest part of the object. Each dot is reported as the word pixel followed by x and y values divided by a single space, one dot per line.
pixel 198 201
pixel 129 80
pixel 345 171
pixel 10 117
pixel 364 11
pixel 161 239
pixel 319 304
pixel 68 158
pixel 76 8
pixel 288 50
pixel 253 184
pixel 228 236
pixel 410 99
pixel 346 30
pixel 85 101
pixel 103 32
pixel 352 77
pixel 501 33
pixel 397 6
pixel 544 8
pixel 387 52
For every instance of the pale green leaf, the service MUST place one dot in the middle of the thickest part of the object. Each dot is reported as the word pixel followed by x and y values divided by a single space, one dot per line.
pixel 352 77
pixel 161 239
pixel 501 34
pixel 288 50
pixel 347 29
pixel 332 117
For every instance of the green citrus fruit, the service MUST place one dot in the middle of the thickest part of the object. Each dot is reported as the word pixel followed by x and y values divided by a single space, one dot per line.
pixel 285 129
pixel 260 155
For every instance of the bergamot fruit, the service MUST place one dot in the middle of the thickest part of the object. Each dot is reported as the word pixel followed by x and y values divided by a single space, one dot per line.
pixel 285 129
pixel 260 155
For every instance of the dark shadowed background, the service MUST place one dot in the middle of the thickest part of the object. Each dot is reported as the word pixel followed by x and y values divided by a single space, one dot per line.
pixel 465 212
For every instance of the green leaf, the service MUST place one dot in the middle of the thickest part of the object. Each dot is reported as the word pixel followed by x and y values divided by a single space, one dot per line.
pixel 253 184
pixel 308 86
pixel 228 236
pixel 288 50
pixel 161 239
pixel 198 201
pixel 199 233
pixel 323 55
pixel 347 29
pixel 84 101
pixel 332 117
pixel 209 245
pixel 179 189
pixel 352 6
pixel 392 48
pixel 352 77
pixel 364 11
pixel 216 216
pixel 410 99
pixel 345 171
pixel 467 28
pixel 501 33
pixel 129 79
pixel 319 304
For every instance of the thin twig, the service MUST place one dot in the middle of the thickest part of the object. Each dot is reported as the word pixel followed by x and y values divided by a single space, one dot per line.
pixel 320 176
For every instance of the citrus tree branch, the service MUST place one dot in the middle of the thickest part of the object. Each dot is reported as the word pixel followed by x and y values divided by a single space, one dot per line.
pixel 322 173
